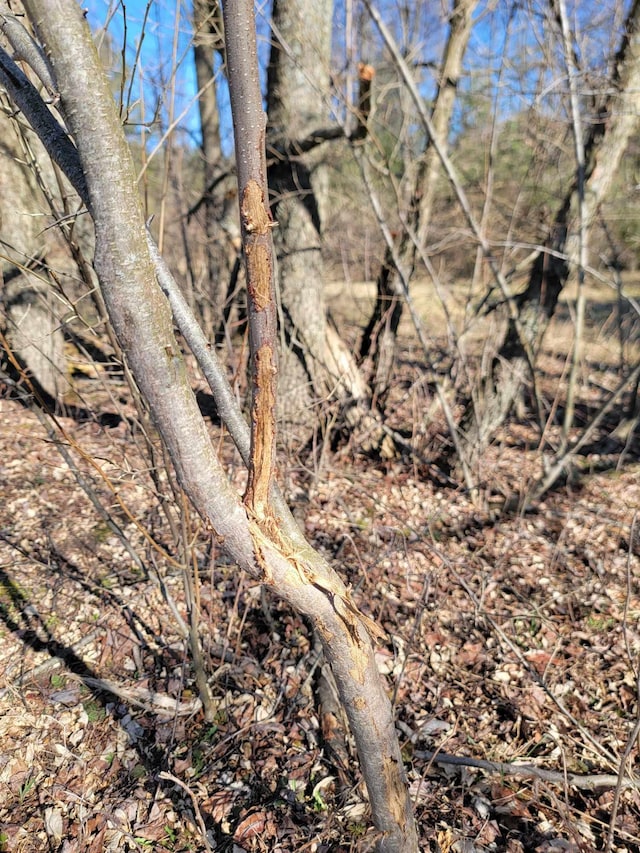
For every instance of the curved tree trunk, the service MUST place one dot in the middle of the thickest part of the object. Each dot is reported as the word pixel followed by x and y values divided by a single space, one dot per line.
pixel 143 323
pixel 607 139
pixel 315 363
pixel 379 338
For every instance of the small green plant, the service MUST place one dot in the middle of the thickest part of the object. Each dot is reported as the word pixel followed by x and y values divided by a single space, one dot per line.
pixel 297 787
pixel 139 771
pixel 94 711
pixel 357 829
pixel 197 761
pixel 52 622
pixel 25 789
pixel 170 835
pixel 600 623
pixel 319 803
pixel 210 733
pixel 58 681
pixel 102 532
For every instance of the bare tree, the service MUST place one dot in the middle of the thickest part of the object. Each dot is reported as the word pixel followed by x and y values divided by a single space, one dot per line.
pixel 258 533
pixel 316 364
pixel 32 308
pixel 397 269
pixel 607 138
pixel 213 288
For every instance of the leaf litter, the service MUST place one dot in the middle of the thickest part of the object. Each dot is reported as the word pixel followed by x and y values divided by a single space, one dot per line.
pixel 512 639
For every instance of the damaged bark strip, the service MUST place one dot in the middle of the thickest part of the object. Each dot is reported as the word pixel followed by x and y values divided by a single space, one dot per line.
pixel 258 250
pixel 346 634
pixel 249 122
pixel 263 434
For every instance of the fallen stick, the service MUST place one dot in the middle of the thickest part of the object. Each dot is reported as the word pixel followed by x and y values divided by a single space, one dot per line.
pixel 573 780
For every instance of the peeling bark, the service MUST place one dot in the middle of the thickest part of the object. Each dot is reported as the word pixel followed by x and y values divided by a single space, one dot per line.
pixel 256 223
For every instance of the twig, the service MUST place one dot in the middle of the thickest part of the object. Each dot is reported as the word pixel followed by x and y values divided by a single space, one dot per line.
pixel 48 423
pixel 452 177
pixel 71 442
pixel 54 137
pixel 192 601
pixel 148 700
pixel 561 462
pixel 49 666
pixel 589 782
pixel 636 729
pixel 201 824
pixel 599 748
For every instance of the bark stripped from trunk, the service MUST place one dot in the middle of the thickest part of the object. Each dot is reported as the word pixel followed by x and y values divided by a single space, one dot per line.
pixel 258 249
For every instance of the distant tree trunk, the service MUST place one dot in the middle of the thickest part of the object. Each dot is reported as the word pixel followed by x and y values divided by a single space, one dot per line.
pixel 34 334
pixel 219 250
pixel 315 363
pixel 31 311
pixel 380 336
pixel 607 139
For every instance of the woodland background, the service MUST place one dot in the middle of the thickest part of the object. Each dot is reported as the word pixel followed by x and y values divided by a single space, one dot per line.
pixel 454 189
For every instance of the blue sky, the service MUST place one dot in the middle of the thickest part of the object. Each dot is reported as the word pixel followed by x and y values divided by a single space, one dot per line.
pixel 157 37
pixel 167 37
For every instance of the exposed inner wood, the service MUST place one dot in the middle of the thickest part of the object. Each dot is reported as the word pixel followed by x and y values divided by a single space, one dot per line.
pixel 256 224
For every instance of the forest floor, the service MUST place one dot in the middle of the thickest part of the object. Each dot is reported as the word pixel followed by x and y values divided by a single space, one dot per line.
pixel 513 638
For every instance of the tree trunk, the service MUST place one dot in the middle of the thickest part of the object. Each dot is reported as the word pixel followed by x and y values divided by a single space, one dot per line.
pixel 220 247
pixel 31 310
pixel 143 324
pixel 607 139
pixel 379 338
pixel 315 364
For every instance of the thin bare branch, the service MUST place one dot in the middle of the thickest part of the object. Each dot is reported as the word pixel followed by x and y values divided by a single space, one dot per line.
pixel 586 782
pixel 451 174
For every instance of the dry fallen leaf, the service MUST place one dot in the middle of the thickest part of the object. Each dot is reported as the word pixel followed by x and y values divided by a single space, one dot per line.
pixel 250 826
